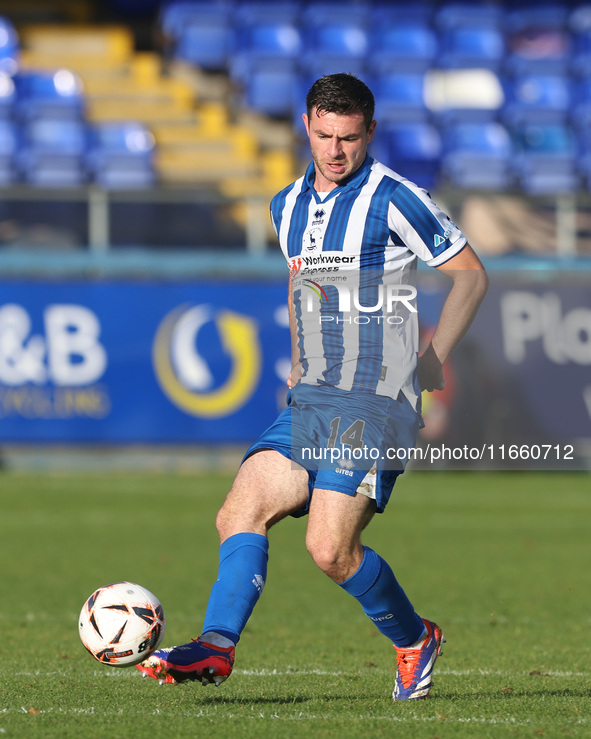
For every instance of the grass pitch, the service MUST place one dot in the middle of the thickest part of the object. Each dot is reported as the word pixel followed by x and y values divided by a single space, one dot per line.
pixel 500 560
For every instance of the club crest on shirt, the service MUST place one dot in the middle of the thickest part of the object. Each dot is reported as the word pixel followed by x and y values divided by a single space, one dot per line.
pixel 312 240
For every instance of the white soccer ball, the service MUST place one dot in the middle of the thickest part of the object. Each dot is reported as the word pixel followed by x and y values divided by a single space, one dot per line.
pixel 121 624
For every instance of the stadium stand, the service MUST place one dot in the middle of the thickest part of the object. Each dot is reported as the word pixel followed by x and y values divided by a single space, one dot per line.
pixel 218 89
pixel 93 73
pixel 515 62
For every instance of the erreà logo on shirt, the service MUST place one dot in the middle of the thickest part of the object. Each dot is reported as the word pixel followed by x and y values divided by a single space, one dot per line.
pixel 319 217
pixel 438 240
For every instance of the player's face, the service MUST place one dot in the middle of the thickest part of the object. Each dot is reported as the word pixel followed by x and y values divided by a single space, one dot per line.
pixel 338 144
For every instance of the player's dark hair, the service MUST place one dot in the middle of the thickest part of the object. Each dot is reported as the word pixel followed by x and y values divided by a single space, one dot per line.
pixel 343 94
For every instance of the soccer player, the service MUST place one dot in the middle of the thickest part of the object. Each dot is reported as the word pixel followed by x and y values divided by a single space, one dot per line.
pixel 351 230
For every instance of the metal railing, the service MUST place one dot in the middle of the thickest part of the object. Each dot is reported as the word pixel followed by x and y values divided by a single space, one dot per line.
pixel 567 217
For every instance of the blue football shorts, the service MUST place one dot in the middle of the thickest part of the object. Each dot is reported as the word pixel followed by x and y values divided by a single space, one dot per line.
pixel 348 442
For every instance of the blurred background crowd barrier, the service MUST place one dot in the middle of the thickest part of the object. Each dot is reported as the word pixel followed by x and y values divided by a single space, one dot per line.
pixel 141 288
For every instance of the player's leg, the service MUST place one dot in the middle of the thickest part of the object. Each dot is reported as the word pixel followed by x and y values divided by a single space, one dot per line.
pixel 333 539
pixel 267 488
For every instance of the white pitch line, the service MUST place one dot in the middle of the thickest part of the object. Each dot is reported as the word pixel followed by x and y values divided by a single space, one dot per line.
pixel 385 671
pixel 295 672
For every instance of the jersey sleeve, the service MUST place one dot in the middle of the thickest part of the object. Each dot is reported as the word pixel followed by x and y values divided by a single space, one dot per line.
pixel 422 226
pixel 275 228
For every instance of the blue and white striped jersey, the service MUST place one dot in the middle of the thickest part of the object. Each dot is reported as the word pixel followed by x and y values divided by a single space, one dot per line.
pixel 352 258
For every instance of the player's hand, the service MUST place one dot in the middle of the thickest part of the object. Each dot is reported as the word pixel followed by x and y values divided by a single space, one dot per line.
pixel 430 371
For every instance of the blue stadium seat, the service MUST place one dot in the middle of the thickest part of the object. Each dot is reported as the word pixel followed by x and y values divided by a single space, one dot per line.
pixel 334 38
pixel 7 96
pixel 8 148
pixel 254 12
pixel 545 160
pixel 542 97
pixel 121 155
pixel 401 46
pixel 174 16
pixel 470 35
pixel 319 12
pixel 55 94
pixel 581 105
pixel 470 47
pixel 267 40
pixel 313 67
pixel 52 152
pixel 263 65
pixel 205 43
pixel 400 96
pixel 473 15
pixel 411 149
pixel 9 47
pixel 394 12
pixel 268 87
pixel 335 42
pixel 199 32
pixel 477 155
pixel 521 16
pixel 579 24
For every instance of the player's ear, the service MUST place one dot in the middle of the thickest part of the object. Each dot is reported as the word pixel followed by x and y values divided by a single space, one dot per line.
pixel 306 122
pixel 371 130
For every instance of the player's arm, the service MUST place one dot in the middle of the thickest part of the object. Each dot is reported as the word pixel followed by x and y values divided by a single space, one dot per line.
pixel 470 283
pixel 296 367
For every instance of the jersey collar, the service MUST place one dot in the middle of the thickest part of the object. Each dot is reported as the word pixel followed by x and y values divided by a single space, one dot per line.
pixel 354 182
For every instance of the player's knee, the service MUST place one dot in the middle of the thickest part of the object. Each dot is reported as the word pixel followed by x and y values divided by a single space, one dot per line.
pixel 223 523
pixel 328 557
pixel 239 514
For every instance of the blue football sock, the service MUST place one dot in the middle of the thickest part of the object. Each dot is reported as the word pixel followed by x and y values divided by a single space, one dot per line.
pixel 383 600
pixel 241 578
